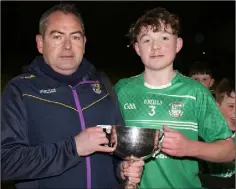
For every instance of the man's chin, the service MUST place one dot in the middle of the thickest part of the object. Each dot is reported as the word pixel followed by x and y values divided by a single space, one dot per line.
pixel 65 70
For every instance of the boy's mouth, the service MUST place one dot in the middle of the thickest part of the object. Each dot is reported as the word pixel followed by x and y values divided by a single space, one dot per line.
pixel 232 120
pixel 156 56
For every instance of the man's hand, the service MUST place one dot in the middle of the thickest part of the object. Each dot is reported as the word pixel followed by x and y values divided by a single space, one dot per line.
pixel 175 143
pixel 90 140
pixel 132 170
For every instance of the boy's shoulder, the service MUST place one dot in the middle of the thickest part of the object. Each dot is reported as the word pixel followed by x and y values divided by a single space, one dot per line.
pixel 190 83
pixel 126 82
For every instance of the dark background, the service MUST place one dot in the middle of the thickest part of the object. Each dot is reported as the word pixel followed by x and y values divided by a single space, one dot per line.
pixel 107 23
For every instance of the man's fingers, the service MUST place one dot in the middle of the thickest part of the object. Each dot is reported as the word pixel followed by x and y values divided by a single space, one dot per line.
pixel 105 149
pixel 125 164
pixel 95 129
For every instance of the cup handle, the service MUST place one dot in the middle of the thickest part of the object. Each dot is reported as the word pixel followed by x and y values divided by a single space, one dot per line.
pixel 160 139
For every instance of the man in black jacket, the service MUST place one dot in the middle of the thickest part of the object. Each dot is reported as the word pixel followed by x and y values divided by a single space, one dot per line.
pixel 49 115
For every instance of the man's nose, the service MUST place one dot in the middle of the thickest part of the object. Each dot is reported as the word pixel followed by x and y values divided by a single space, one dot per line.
pixel 67 44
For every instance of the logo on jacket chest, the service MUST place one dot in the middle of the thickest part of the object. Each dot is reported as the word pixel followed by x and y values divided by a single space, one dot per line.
pixel 47 91
pixel 96 88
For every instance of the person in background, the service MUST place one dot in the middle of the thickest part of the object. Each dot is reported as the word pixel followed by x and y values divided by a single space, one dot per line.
pixel 223 175
pixel 202 72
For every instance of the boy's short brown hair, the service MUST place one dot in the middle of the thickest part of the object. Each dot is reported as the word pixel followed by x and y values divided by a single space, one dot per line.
pixel 225 87
pixel 200 67
pixel 154 18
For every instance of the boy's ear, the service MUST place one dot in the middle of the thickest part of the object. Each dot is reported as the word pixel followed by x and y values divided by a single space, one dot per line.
pixel 212 82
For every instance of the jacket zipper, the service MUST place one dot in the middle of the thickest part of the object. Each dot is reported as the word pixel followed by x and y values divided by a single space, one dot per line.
pixel 83 127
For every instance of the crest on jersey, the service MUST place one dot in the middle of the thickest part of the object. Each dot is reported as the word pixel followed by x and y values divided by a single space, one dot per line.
pixel 176 109
pixel 96 88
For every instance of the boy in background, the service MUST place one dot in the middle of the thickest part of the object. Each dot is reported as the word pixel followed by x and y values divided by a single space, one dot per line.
pixel 223 175
pixel 201 72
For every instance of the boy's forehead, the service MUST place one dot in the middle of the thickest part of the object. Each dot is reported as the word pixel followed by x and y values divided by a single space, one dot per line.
pixel 229 99
pixel 201 75
pixel 156 28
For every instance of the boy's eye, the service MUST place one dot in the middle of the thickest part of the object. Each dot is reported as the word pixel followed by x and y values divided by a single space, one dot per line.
pixel 146 41
pixel 165 38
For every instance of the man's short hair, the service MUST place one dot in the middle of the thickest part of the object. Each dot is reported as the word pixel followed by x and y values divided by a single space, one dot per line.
pixel 155 19
pixel 225 87
pixel 200 67
pixel 64 8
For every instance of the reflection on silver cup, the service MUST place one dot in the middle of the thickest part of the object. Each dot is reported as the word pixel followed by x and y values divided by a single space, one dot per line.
pixel 136 142
pixel 132 143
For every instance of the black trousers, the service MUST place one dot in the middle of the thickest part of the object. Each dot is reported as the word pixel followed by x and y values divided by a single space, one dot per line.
pixel 213 182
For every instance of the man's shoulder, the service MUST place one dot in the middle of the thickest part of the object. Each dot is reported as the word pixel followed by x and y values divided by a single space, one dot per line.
pixel 126 82
pixel 22 78
pixel 21 82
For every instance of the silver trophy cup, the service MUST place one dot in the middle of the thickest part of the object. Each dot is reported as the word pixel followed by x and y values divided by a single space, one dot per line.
pixel 132 143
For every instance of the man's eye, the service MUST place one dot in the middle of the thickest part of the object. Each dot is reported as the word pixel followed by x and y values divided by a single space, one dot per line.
pixel 77 37
pixel 56 37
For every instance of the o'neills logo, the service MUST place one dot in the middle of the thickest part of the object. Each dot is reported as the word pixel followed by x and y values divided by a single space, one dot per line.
pixel 176 109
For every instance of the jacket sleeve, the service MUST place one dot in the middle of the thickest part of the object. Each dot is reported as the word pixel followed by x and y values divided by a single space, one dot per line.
pixel 19 160
pixel 119 121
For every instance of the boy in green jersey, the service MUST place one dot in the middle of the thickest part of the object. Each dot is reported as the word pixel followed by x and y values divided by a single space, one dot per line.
pixel 161 96
pixel 223 175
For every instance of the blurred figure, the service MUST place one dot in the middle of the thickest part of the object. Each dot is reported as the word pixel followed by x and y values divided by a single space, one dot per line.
pixel 225 99
pixel 201 72
pixel 223 175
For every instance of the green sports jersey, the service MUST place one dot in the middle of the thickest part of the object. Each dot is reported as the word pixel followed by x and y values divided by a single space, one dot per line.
pixel 221 169
pixel 183 105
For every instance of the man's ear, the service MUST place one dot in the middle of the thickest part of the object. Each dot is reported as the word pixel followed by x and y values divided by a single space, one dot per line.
pixel 85 40
pixel 39 41
pixel 179 44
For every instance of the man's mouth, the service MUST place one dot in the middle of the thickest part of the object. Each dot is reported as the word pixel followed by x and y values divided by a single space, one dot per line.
pixel 67 57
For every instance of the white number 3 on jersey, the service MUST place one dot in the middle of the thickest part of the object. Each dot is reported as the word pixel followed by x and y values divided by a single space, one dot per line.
pixel 152 111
